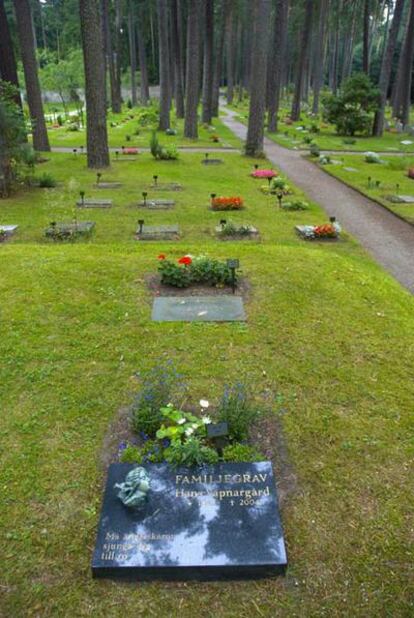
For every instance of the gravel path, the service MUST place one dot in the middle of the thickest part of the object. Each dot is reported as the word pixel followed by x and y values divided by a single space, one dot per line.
pixel 386 237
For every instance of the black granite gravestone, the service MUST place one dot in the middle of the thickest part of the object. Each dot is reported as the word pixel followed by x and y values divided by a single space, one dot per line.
pixel 209 522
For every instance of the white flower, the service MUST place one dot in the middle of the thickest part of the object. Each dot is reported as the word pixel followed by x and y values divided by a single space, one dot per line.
pixel 206 420
pixel 181 421
pixel 189 431
pixel 204 403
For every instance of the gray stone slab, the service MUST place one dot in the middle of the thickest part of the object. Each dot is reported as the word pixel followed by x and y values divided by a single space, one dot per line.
pixel 108 185
pixel 400 199
pixel 305 232
pixel 68 230
pixel 212 161
pixel 157 204
pixel 224 308
pixel 350 169
pixel 158 232
pixel 94 203
pixel 166 186
pixel 8 229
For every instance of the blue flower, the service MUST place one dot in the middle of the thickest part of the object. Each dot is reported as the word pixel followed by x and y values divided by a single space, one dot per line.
pixel 122 446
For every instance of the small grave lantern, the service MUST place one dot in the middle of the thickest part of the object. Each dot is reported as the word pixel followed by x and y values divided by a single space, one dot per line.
pixel 212 195
pixel 141 225
pixel 81 149
pixel 369 182
pixel 155 178
pixel 256 166
pixel 218 434
pixel 82 196
pixel 233 264
pixel 117 153
pixel 144 195
pixel 122 148
pixel 397 188
pixel 279 196
pixel 206 156
pixel 75 151
pixel 223 222
pixel 98 177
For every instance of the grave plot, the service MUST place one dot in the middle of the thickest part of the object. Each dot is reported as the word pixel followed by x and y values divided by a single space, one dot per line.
pixel 157 232
pixel 208 161
pixel 155 204
pixel 227 230
pixel 69 231
pixel 126 156
pixel 400 199
pixel 224 308
pixel 203 523
pixel 6 231
pixel 165 186
pixel 92 202
pixel 327 232
pixel 226 203
pixel 105 185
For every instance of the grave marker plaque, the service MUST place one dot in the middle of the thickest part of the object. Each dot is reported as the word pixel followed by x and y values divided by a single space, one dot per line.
pixel 209 522
pixel 223 308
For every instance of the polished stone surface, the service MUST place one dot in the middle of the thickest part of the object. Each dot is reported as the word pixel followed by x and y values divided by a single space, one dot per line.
pixel 212 161
pixel 8 229
pixel 158 232
pixel 94 203
pixel 402 199
pixel 166 186
pixel 108 185
pixel 208 522
pixel 157 204
pixel 225 308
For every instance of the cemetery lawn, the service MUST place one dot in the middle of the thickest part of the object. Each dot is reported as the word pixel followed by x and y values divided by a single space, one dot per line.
pixel 390 173
pixel 117 135
pixel 327 138
pixel 329 345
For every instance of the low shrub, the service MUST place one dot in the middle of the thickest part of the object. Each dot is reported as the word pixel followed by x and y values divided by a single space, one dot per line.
pixel 314 150
pixel 296 205
pixel 46 181
pixel 236 409
pixel 372 157
pixel 324 159
pixel 190 453
pixel 349 140
pixel 72 127
pixel 161 153
pixel 241 452
pixel 147 116
pixel 170 131
pixel 231 229
pixel 227 203
pixel 191 271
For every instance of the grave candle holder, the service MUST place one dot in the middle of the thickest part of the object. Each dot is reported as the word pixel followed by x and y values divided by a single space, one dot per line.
pixel 75 151
pixel 141 225
pixel 332 219
pixel 155 178
pixel 82 196
pixel 223 222
pixel 117 154
pixel 212 196
pixel 206 156
pixel 256 166
pixel 279 196
pixel 218 434
pixel 269 180
pixel 233 263
pixel 144 195
pixel 98 177
pixel 122 148
pixel 397 188
pixel 81 149
pixel 369 182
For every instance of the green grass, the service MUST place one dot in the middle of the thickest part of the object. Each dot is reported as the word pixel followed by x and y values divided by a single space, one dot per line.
pixel 290 137
pixel 126 127
pixel 327 329
pixel 390 173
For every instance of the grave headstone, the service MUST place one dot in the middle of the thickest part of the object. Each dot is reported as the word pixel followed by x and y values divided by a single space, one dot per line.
pixel 94 203
pixel 8 229
pixel 157 204
pixel 221 308
pixel 108 185
pixel 200 523
pixel 158 232
pixel 81 228
pixel 166 186
pixel 401 199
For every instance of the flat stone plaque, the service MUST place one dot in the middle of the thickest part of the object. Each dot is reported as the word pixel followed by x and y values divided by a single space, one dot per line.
pixel 108 185
pixel 212 161
pixel 199 523
pixel 82 228
pixel 158 232
pixel 94 203
pixel 157 204
pixel 225 308
pixel 166 186
pixel 350 169
pixel 402 199
pixel 8 229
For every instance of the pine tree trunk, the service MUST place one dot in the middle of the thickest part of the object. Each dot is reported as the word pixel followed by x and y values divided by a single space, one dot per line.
pixel 386 68
pixel 278 54
pixel 255 130
pixel 34 95
pixel 193 65
pixel 230 53
pixel 163 64
pixel 319 55
pixel 132 52
pixel 208 62
pixel 365 38
pixel 303 55
pixel 407 69
pixel 94 64
pixel 117 59
pixel 8 67
pixel 178 62
pixel 142 54
pixel 110 63
pixel 218 64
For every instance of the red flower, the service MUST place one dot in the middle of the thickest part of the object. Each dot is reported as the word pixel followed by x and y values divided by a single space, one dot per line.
pixel 162 256
pixel 185 260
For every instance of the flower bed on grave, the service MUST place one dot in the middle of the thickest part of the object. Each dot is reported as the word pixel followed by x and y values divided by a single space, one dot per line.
pixel 69 231
pixel 198 270
pixel 328 231
pixel 227 230
pixel 410 173
pixel 275 186
pixel 227 203
pixel 265 173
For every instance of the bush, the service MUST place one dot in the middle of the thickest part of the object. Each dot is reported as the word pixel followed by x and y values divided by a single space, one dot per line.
pixel 351 111
pixel 161 153
pixel 296 205
pixel 159 385
pixel 151 451
pixel 170 131
pixel 324 159
pixel 147 116
pixel 349 141
pixel 60 120
pixel 372 157
pixel 72 127
pixel 199 270
pixel 314 150
pixel 192 452
pixel 231 229
pixel 46 181
pixel 236 409
pixel 241 452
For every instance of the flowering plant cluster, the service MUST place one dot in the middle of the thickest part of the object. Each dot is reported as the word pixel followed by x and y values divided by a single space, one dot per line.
pixel 130 151
pixel 325 231
pixel 264 174
pixel 411 173
pixel 191 270
pixel 227 203
pixel 215 138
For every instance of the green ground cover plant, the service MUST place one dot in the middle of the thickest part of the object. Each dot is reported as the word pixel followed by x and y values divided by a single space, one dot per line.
pixel 329 343
pixel 378 181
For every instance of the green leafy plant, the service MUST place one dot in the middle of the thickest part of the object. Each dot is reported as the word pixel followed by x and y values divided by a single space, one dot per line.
pixel 295 205
pixel 314 150
pixel 236 409
pixel 178 425
pixel 46 181
pixel 160 385
pixel 194 270
pixel 241 452
pixel 192 452
pixel 231 229
pixel 372 157
pixel 161 153
pixel 151 451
